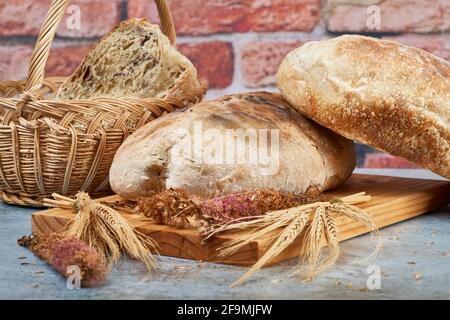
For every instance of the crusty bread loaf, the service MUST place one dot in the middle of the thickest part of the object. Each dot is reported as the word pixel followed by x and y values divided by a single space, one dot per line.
pixel 390 96
pixel 134 60
pixel 304 158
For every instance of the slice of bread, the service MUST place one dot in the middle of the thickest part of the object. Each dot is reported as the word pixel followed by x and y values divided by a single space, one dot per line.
pixel 133 61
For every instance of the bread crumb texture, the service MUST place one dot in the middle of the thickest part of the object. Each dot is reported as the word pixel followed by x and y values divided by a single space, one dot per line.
pixel 134 61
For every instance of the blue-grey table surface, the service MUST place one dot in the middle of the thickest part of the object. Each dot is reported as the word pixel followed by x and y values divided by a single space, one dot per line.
pixel 415 263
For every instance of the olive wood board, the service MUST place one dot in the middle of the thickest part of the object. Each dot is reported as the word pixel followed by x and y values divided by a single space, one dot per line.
pixel 393 200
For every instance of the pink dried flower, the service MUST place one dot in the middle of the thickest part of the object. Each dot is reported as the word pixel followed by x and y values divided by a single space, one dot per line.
pixel 251 203
pixel 61 252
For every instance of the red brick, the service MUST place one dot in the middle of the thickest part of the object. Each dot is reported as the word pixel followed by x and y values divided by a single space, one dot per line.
pixel 438 44
pixel 383 160
pixel 396 16
pixel 213 60
pixel 22 17
pixel 260 61
pixel 14 62
pixel 65 58
pixel 193 17
pixel 97 18
pixel 25 17
pixel 143 9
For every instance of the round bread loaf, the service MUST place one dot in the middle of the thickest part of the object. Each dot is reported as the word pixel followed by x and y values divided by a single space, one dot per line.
pixel 238 142
pixel 390 96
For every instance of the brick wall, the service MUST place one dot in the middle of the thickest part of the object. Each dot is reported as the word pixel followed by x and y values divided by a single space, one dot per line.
pixel 236 44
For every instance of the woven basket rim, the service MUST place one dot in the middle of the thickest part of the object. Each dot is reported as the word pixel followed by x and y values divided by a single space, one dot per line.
pixel 198 91
pixel 98 105
pixel 113 106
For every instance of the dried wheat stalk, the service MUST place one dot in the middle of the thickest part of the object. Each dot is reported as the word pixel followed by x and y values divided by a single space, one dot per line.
pixel 105 230
pixel 314 221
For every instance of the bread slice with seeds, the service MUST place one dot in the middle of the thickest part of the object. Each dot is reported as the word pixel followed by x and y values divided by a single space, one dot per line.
pixel 133 61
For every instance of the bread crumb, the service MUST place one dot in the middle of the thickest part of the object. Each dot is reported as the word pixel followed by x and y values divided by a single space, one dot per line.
pixel 306 280
pixel 182 267
pixel 417 276
pixel 349 285
pixel 275 281
pixel 365 289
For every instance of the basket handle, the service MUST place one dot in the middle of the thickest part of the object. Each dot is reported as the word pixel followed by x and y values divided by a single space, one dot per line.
pixel 36 71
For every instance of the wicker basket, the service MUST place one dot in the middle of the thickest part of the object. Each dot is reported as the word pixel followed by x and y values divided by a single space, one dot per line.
pixel 42 148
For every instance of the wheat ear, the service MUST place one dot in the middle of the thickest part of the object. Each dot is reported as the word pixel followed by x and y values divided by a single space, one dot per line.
pixel 313 243
pixel 314 221
pixel 105 230
pixel 289 234
pixel 331 234
pixel 322 228
pixel 260 229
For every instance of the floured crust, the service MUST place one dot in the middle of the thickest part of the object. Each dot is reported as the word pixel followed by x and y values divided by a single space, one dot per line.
pixel 311 158
pixel 390 96
pixel 135 60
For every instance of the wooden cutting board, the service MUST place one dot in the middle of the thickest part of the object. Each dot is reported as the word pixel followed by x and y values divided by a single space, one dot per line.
pixel 394 200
